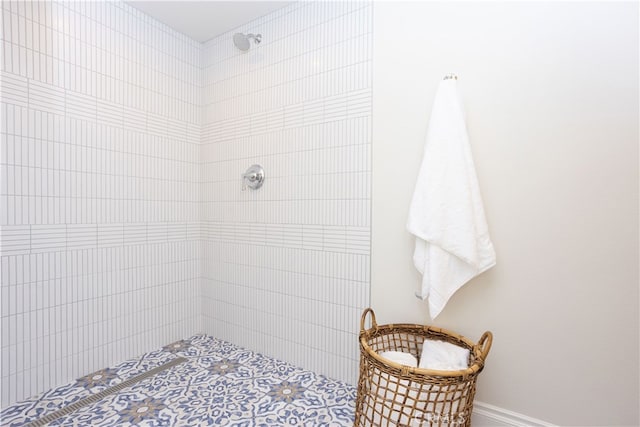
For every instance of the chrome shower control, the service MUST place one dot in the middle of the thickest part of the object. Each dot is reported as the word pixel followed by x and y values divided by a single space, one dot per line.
pixel 253 177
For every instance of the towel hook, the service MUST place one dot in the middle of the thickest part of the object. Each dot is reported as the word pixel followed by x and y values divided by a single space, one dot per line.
pixel 450 77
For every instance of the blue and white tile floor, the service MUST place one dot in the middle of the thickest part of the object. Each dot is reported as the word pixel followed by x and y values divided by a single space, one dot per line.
pixel 220 384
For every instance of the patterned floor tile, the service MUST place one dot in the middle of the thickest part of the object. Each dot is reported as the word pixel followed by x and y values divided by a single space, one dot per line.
pixel 219 384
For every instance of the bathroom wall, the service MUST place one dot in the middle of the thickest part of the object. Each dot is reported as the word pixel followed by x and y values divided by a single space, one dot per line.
pixel 100 131
pixel 286 267
pixel 551 96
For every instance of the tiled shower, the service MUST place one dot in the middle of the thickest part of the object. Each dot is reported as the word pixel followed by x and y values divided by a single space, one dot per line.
pixel 124 222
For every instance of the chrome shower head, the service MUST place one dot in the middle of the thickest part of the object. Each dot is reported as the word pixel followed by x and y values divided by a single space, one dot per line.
pixel 242 40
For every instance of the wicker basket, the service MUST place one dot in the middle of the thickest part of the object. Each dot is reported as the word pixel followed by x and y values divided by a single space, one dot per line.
pixel 390 394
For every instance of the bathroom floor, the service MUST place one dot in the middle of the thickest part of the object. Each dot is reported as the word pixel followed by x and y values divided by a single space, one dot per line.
pixel 218 384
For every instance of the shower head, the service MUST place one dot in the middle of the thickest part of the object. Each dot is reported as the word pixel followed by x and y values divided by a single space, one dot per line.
pixel 242 40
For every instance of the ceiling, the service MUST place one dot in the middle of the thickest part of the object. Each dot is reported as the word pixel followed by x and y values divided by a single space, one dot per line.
pixel 204 20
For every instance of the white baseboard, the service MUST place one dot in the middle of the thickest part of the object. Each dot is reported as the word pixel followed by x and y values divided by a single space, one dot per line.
pixel 485 415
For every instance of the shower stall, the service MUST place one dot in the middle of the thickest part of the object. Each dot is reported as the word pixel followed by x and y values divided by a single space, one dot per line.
pixel 124 223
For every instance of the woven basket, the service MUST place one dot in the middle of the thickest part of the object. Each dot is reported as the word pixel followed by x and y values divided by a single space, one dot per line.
pixel 390 394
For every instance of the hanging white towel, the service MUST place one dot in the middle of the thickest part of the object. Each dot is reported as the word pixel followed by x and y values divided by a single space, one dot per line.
pixel 446 213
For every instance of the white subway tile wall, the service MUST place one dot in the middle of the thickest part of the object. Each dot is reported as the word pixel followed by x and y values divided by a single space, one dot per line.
pixel 286 267
pixel 124 226
pixel 99 203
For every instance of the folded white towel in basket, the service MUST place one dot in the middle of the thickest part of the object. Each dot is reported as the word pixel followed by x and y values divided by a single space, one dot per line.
pixel 443 356
pixel 400 357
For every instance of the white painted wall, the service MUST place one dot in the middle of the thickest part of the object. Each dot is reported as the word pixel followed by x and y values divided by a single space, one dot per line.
pixel 551 94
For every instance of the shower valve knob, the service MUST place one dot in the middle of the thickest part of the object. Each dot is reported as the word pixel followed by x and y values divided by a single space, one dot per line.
pixel 253 177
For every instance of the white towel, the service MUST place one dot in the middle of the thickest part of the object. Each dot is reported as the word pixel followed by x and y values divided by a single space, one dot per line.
pixel 400 357
pixel 446 214
pixel 443 356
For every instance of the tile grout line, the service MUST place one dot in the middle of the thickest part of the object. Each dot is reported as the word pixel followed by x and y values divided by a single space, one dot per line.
pixel 104 393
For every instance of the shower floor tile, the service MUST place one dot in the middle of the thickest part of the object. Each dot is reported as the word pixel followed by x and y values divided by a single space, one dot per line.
pixel 218 384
